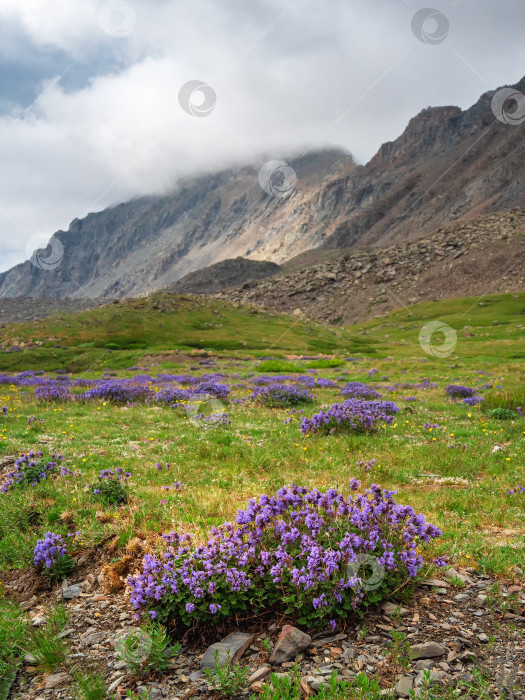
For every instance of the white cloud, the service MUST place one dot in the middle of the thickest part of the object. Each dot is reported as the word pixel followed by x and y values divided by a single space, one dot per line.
pixel 287 77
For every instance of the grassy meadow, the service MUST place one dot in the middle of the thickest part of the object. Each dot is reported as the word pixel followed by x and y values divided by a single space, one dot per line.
pixel 450 461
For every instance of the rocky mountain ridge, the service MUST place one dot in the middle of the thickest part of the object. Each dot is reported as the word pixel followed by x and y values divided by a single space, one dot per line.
pixel 482 256
pixel 448 165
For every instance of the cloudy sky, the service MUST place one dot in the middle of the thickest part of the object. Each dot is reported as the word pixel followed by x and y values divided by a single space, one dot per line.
pixel 92 113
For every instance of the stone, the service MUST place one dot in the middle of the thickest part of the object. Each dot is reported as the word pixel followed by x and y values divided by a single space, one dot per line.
pixel 434 677
pixel 328 640
pixel 404 686
pixel 90 638
pixel 391 608
pixel 424 664
pixel 291 642
pixel 235 643
pixel 115 684
pixel 28 604
pixel 435 582
pixel 71 592
pixel 483 638
pixel 259 674
pixel 481 600
pixel 461 597
pixel 427 650
pixel 55 680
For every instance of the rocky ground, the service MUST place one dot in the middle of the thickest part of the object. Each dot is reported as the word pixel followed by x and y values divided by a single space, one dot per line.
pixel 22 310
pixel 479 257
pixel 454 624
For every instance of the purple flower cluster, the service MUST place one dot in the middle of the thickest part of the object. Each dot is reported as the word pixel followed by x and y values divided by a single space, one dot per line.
pixel 277 395
pixel 48 550
pixel 358 390
pixel 353 415
pixel 119 391
pixel 473 400
pixel 30 469
pixel 176 486
pixel 298 552
pixel 109 474
pixel 367 465
pixel 53 392
pixel 456 391
pixel 516 489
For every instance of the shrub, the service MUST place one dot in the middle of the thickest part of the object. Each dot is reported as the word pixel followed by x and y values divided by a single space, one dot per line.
pixel 147 649
pixel 304 553
pixel 472 400
pixel 30 469
pixel 279 366
pixel 119 391
pixel 277 395
pixel 230 678
pixel 456 391
pixel 324 363
pixel 354 415
pixel 53 392
pixel 51 554
pixel 358 390
pixel 111 488
pixel 502 414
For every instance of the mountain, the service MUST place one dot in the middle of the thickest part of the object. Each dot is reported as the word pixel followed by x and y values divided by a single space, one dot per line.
pixel 481 256
pixel 448 165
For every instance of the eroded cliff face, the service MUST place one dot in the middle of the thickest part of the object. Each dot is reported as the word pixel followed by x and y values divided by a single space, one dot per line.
pixel 449 164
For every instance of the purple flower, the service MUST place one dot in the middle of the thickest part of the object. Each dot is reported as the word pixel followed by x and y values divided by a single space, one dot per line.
pixel 214 608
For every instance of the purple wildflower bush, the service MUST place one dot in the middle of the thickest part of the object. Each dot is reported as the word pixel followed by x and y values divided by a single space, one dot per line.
pixel 30 469
pixel 351 416
pixel 53 392
pixel 51 555
pixel 457 391
pixel 358 390
pixel 278 395
pixel 304 553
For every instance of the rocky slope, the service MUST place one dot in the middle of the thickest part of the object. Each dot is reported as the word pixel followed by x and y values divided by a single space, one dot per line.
pixel 228 273
pixel 481 256
pixel 448 165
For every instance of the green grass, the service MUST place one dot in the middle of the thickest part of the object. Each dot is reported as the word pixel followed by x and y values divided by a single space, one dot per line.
pixel 12 632
pixel 462 489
